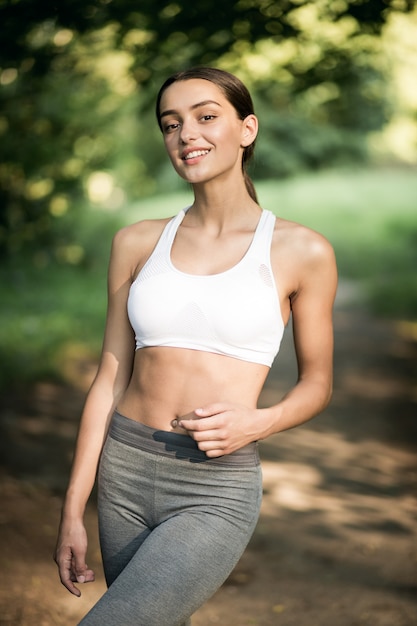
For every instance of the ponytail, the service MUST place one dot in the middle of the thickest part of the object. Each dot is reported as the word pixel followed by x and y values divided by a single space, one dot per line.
pixel 250 187
pixel 247 156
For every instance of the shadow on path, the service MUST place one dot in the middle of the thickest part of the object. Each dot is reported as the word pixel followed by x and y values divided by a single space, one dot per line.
pixel 336 541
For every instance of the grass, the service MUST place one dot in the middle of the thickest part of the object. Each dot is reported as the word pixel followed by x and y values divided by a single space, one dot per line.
pixel 369 216
pixel 42 312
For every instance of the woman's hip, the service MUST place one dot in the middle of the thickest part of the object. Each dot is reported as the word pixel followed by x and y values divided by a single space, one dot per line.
pixel 168 472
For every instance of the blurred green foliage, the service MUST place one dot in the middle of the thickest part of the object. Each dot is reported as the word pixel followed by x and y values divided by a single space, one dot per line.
pixel 368 215
pixel 370 218
pixel 78 80
pixel 289 145
pixel 80 152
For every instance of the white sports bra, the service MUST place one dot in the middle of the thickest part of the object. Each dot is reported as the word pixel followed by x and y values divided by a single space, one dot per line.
pixel 235 313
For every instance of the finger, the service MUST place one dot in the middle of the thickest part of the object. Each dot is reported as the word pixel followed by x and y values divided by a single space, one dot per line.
pixel 209 436
pixel 211 444
pixel 211 409
pixel 215 453
pixel 200 425
pixel 81 570
pixel 66 573
pixel 68 584
pixel 87 575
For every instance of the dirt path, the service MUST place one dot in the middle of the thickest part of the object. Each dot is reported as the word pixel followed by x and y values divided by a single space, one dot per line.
pixel 336 544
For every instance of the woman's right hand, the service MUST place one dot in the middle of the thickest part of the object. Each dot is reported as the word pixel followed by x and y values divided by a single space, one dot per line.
pixel 70 555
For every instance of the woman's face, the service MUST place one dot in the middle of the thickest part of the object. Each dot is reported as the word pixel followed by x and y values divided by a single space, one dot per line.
pixel 203 135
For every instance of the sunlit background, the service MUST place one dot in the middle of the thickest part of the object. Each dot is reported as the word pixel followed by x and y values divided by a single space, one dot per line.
pixel 335 87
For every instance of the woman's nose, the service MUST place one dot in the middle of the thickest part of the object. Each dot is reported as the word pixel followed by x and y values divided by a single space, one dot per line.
pixel 188 131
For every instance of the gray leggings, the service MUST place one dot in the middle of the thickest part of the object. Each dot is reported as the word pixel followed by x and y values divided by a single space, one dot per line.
pixel 173 523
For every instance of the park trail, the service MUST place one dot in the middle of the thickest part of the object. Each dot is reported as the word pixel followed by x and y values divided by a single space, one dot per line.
pixel 336 543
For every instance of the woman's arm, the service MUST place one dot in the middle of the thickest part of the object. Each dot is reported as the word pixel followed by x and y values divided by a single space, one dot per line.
pixel 312 315
pixel 228 427
pixel 112 378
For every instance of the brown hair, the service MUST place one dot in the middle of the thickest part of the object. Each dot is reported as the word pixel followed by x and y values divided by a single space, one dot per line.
pixel 235 92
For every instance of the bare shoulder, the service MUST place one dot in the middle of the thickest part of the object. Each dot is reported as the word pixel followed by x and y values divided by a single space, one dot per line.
pixel 303 260
pixel 134 243
pixel 140 232
pixel 301 244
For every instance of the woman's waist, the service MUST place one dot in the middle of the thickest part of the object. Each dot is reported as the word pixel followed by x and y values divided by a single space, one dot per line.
pixel 168 384
pixel 160 409
pixel 135 434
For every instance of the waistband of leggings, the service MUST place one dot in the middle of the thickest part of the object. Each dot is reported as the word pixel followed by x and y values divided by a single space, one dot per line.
pixel 169 444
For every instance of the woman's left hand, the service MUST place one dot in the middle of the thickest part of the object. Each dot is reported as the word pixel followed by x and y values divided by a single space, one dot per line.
pixel 223 428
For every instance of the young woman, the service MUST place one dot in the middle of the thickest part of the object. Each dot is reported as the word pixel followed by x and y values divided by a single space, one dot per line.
pixel 197 308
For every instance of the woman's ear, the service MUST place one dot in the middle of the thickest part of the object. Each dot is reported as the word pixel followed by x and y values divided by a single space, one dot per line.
pixel 249 130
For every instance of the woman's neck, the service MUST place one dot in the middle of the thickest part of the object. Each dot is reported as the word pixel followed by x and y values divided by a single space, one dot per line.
pixel 221 204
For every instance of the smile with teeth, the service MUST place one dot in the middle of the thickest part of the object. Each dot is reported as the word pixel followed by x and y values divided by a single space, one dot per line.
pixel 195 154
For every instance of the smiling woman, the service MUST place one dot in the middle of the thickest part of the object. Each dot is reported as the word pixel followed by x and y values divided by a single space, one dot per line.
pixel 197 307
pixel 229 92
pixel 203 134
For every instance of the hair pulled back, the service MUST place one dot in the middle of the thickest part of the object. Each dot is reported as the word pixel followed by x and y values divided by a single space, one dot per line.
pixel 234 91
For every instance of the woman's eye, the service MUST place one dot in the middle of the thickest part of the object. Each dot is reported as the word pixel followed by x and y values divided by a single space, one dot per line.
pixel 169 128
pixel 207 118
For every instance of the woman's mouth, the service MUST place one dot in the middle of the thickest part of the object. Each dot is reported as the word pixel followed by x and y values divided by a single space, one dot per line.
pixel 194 154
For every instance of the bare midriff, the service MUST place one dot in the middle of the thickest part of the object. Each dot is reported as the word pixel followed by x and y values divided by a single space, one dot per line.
pixel 170 383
